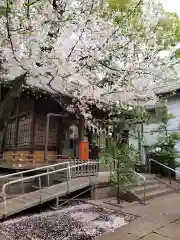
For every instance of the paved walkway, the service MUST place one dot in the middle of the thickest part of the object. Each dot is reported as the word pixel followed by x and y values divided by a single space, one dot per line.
pixel 158 220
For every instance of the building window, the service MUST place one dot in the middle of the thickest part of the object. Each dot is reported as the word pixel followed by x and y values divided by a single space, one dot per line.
pixel 24 131
pixel 52 136
pixel 41 130
pixel 10 135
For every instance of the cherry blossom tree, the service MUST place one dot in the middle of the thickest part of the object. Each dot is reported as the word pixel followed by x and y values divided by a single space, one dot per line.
pixel 87 49
pixel 96 51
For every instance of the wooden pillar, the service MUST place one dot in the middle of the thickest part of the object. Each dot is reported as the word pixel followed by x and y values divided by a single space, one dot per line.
pixel 90 140
pixel 81 129
pixel 59 137
pixel 33 130
pixel 17 123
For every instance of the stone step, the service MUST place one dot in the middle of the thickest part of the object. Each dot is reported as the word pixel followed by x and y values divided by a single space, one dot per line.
pixel 149 182
pixel 149 176
pixel 156 193
pixel 148 188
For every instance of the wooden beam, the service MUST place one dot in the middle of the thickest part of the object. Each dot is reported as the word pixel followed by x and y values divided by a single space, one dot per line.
pixel 18 115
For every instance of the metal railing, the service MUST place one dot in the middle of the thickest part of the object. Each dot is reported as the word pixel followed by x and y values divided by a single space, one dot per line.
pixel 20 174
pixel 112 168
pixel 23 160
pixel 79 171
pixel 168 168
pixel 144 180
pixel 68 178
pixel 71 161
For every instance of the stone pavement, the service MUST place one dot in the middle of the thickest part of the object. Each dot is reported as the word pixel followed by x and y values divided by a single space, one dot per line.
pixel 158 220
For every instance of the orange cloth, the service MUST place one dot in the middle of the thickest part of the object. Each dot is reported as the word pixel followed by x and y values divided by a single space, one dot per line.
pixel 84 150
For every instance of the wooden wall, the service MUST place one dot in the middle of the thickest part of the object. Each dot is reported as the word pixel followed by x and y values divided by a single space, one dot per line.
pixel 25 132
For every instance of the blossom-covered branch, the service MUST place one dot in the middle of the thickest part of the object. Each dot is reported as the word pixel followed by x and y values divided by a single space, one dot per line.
pixel 88 49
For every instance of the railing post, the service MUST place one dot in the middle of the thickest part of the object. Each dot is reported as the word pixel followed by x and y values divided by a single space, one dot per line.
pixel 22 184
pixel 89 163
pixel 34 163
pixel 48 181
pixel 5 203
pixel 57 202
pixel 144 192
pixel 149 166
pixel 89 167
pixel 67 180
pixel 69 171
pixel 169 173
pixel 40 189
pixel 97 168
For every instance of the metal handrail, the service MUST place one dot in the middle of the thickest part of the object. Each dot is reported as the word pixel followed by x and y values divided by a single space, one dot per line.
pixel 31 155
pixel 41 175
pixel 32 170
pixel 144 179
pixel 170 169
pixel 140 176
pixel 152 160
pixel 20 159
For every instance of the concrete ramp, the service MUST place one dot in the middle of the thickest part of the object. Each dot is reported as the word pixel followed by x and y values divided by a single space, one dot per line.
pixel 32 199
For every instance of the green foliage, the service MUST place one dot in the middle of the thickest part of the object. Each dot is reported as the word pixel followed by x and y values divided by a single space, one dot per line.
pixel 123 160
pixel 164 150
pixel 168 30
pixel 118 4
pixel 177 53
pixel 121 156
pixel 5 7
pixel 157 115
pixel 129 17
pixel 2 11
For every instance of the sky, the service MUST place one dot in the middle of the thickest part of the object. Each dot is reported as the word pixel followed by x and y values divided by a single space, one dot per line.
pixel 172 6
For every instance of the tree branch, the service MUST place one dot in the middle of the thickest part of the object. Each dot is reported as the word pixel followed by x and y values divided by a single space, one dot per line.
pixel 8 30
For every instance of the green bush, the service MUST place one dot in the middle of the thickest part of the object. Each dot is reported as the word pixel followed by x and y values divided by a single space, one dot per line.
pixel 164 150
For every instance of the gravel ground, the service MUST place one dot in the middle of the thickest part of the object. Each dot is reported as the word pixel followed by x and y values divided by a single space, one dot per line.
pixel 81 222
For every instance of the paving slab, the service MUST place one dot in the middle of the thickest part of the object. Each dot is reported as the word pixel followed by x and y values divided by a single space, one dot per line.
pixel 134 230
pixel 167 205
pixel 141 227
pixel 172 231
pixel 154 236
pixel 160 219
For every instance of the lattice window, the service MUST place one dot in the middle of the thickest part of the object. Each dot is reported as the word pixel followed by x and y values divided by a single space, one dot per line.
pixel 10 135
pixel 52 137
pixel 24 131
pixel 13 134
pixel 53 130
pixel 41 129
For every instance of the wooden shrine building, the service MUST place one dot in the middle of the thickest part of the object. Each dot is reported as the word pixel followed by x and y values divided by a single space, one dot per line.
pixel 25 133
